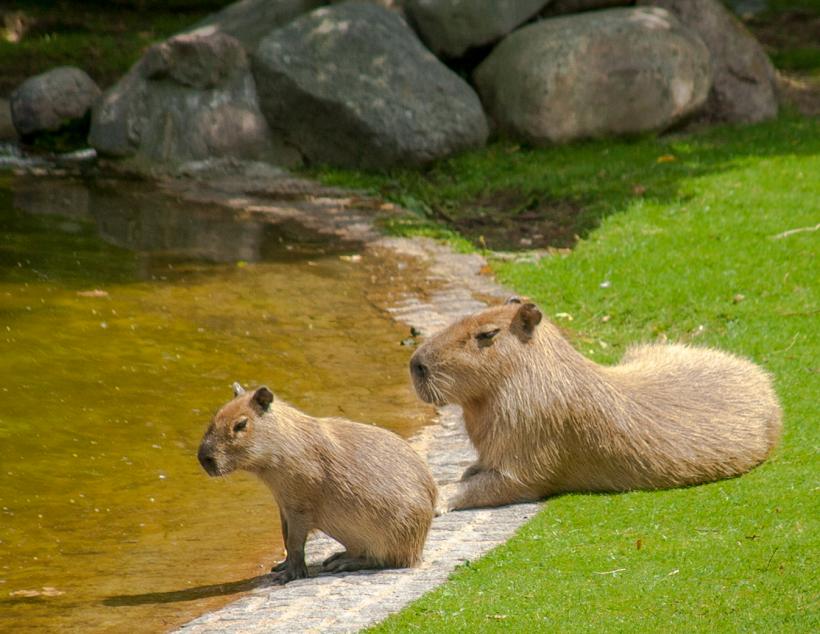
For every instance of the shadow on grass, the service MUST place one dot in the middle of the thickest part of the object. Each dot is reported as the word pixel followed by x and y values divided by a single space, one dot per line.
pixel 509 196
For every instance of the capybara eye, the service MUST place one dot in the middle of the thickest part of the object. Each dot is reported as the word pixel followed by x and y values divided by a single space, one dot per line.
pixel 240 425
pixel 487 335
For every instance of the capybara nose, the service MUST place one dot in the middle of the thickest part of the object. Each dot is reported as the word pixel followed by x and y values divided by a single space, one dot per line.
pixel 418 369
pixel 207 461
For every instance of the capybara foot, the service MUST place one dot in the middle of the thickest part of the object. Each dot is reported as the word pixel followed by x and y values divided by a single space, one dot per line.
pixel 342 562
pixel 289 574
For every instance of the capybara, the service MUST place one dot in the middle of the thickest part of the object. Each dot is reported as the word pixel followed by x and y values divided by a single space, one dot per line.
pixel 544 419
pixel 360 484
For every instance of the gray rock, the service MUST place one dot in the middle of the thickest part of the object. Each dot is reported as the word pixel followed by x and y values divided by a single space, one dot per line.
pixel 47 102
pixel 190 98
pixel 744 88
pixel 194 61
pixel 563 7
pixel 352 85
pixel 596 74
pixel 451 27
pixel 251 20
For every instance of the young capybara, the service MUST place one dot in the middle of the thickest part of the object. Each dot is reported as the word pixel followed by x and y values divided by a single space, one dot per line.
pixel 362 485
pixel 545 420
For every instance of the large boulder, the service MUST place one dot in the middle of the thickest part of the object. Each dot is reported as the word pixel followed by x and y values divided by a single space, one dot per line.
pixel 192 97
pixel 744 88
pixel 451 27
pixel 603 73
pixel 52 100
pixel 352 85
pixel 251 20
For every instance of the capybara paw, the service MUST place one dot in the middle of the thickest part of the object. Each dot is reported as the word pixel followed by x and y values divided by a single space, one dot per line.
pixel 280 566
pixel 289 574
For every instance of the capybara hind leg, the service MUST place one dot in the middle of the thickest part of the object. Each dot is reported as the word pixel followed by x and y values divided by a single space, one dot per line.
pixel 484 489
pixel 295 567
pixel 334 557
pixel 347 563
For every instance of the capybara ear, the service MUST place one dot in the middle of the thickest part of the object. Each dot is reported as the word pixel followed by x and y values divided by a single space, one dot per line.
pixel 513 299
pixel 263 397
pixel 238 390
pixel 525 321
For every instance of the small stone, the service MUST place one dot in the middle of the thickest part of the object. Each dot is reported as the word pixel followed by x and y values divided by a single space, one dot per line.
pixel 52 100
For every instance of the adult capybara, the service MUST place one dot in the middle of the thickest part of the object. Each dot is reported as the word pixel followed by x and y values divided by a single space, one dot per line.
pixel 545 419
pixel 362 485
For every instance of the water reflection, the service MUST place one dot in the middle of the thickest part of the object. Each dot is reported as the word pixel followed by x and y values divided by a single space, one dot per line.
pixel 160 227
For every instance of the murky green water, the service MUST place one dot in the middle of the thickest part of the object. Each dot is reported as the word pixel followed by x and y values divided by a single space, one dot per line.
pixel 113 354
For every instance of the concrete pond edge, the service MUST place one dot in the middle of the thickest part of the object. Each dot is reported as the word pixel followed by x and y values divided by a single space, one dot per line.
pixel 454 285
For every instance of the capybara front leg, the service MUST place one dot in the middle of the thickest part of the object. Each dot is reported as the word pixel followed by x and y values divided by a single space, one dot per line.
pixel 284 524
pixel 484 489
pixel 295 567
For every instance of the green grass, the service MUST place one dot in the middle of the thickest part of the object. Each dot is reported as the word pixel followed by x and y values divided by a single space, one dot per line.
pixel 602 177
pixel 102 38
pixel 733 556
pixel 805 59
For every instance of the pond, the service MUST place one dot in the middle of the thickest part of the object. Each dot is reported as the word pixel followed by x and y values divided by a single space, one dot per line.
pixel 124 318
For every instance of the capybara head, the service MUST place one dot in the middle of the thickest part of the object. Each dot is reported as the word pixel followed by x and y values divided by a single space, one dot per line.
pixel 466 360
pixel 229 442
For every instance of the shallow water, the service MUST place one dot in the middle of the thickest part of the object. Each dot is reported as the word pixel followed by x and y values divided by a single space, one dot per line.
pixel 124 318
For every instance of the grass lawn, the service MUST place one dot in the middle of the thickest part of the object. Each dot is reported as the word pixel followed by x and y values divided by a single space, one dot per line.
pixel 689 247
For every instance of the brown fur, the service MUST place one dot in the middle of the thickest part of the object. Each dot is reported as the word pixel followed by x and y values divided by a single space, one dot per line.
pixel 362 485
pixel 545 420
